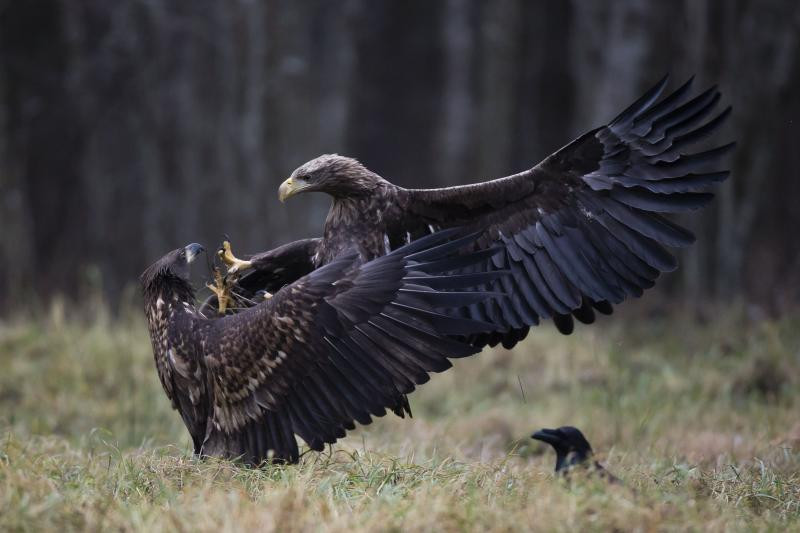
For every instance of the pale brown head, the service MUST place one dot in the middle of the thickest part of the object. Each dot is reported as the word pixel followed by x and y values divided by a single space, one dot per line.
pixel 336 175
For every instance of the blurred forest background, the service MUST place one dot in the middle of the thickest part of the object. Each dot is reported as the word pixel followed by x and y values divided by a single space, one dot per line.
pixel 131 127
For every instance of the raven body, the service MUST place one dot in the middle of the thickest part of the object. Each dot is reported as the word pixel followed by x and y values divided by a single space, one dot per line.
pixel 572 451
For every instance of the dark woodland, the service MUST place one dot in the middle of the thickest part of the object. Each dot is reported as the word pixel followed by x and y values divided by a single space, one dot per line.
pixel 131 127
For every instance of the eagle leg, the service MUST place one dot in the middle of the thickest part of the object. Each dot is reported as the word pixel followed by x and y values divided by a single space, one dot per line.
pixel 221 288
pixel 234 263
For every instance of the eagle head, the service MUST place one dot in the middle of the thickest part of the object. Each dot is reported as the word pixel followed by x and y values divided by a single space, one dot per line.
pixel 172 268
pixel 334 174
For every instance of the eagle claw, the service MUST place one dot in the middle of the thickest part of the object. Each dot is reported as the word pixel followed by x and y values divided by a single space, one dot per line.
pixel 234 263
pixel 221 289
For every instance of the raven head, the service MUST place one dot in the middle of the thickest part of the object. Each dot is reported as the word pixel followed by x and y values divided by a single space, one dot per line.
pixel 571 446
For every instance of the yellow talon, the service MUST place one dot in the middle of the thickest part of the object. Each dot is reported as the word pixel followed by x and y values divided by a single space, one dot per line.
pixel 221 289
pixel 234 263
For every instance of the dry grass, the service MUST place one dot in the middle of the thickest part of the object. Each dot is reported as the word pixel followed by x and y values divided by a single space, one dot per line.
pixel 701 422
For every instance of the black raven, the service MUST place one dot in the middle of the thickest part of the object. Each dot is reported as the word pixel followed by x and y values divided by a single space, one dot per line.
pixel 572 450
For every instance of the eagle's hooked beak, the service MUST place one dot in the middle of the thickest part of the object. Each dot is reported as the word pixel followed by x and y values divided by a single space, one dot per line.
pixel 291 187
pixel 193 250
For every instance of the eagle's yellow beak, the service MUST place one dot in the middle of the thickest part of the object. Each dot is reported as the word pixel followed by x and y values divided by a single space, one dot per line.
pixel 291 187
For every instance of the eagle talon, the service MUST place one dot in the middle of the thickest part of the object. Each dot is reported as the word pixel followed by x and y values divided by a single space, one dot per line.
pixel 234 263
pixel 221 289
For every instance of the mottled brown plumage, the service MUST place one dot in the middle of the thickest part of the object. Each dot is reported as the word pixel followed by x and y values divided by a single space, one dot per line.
pixel 340 345
pixel 580 231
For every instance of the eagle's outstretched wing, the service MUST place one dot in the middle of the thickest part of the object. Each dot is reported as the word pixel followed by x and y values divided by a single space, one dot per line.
pixel 340 345
pixel 583 228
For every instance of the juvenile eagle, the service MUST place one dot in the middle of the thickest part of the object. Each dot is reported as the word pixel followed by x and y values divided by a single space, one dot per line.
pixel 337 346
pixel 580 231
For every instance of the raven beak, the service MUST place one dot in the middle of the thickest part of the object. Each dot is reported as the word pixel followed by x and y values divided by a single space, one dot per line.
pixel 546 435
pixel 291 187
pixel 193 250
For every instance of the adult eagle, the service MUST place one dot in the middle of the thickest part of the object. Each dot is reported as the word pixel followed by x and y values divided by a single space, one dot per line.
pixel 580 231
pixel 340 345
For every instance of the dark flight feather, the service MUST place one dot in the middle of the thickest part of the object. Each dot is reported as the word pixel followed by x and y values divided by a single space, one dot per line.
pixel 582 229
pixel 342 344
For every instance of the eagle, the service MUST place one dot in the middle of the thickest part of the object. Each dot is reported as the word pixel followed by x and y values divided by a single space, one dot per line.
pixel 342 344
pixel 580 232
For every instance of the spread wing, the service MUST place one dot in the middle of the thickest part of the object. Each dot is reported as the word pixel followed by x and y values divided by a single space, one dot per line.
pixel 343 344
pixel 584 229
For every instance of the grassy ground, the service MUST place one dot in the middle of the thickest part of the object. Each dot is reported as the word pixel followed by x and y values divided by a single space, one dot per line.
pixel 702 423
